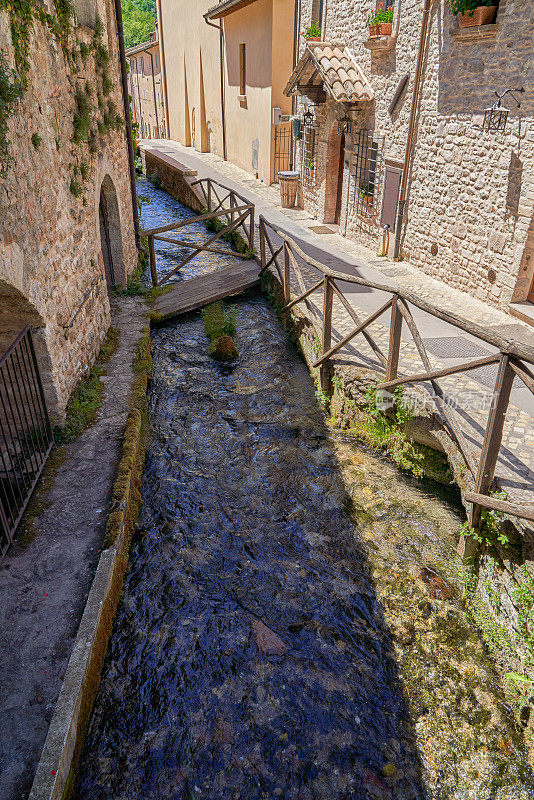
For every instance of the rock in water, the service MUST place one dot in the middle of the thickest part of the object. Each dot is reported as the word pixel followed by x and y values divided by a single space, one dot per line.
pixel 267 640
pixel 224 349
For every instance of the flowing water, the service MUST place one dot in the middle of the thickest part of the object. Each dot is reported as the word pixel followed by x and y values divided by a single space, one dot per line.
pixel 285 630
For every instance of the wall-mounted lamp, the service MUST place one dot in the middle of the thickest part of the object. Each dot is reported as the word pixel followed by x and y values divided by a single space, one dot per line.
pixel 344 125
pixel 308 118
pixel 495 118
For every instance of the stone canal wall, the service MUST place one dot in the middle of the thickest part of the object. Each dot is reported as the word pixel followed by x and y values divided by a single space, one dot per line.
pixel 65 157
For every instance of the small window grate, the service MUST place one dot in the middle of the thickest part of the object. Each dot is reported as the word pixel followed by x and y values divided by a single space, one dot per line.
pixel 307 156
pixel 367 164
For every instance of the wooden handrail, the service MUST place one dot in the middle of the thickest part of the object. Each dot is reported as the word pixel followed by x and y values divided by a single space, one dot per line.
pixel 503 343
pixel 511 357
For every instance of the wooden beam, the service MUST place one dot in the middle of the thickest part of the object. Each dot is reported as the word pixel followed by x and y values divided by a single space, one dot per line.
pixel 395 330
pixel 303 296
pixel 287 274
pixel 523 372
pixel 195 246
pixel 354 333
pixel 152 255
pixel 523 512
pixel 189 221
pixel 351 312
pixel 441 373
pixel 493 434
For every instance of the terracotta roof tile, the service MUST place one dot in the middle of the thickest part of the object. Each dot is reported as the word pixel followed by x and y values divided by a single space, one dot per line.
pixel 343 78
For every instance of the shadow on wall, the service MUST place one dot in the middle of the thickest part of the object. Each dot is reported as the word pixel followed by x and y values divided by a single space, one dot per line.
pixel 470 72
pixel 258 59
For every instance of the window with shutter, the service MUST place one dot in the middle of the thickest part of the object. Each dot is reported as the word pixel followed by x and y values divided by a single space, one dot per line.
pixel 390 197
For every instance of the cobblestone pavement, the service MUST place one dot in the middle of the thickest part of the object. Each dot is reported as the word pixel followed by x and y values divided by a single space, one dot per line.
pixel 470 394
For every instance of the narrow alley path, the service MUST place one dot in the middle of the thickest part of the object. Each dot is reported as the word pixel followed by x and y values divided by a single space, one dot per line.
pixel 255 653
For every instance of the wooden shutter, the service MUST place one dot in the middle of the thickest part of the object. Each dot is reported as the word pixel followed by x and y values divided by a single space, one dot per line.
pixel 390 198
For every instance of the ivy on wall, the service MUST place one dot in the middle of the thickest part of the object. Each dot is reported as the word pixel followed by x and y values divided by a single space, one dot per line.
pixel 95 113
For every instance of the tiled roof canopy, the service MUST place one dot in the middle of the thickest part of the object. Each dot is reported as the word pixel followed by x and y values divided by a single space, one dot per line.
pixel 330 64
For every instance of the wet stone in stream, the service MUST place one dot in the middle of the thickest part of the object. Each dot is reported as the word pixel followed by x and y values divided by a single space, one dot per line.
pixel 252 656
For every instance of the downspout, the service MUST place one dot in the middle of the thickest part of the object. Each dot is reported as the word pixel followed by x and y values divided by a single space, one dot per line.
pixel 128 123
pixel 221 65
pixel 163 70
pixel 411 127
pixel 154 88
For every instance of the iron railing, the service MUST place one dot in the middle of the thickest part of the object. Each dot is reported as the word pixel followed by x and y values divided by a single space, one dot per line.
pixel 513 360
pixel 25 433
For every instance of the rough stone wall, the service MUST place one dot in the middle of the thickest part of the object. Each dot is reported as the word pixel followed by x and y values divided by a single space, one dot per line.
pixel 472 192
pixel 51 263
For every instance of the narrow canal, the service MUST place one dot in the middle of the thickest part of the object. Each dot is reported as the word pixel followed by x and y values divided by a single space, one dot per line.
pixel 284 631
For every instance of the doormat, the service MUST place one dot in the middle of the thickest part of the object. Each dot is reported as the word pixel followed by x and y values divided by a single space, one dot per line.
pixel 321 229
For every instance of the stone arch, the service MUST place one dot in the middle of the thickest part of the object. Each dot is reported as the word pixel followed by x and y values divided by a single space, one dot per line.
pixel 111 234
pixel 334 176
pixel 16 312
pixel 524 289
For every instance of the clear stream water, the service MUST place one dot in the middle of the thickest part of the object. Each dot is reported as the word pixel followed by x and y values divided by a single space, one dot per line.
pixel 284 630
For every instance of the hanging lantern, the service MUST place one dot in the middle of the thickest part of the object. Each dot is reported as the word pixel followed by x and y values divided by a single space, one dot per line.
pixel 344 125
pixel 495 118
pixel 308 118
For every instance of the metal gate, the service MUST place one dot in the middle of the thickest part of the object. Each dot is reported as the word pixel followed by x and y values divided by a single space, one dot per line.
pixel 283 149
pixel 25 433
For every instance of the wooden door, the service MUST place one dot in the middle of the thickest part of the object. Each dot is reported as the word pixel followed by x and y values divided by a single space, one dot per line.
pixel 339 195
pixel 105 241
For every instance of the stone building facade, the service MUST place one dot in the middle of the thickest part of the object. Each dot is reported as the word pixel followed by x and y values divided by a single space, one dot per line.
pixel 470 198
pixel 146 88
pixel 67 215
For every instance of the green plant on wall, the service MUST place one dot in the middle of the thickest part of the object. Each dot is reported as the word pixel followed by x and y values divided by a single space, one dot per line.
pixel 490 531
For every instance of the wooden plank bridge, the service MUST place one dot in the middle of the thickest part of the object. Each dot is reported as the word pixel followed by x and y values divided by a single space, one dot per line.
pixel 197 292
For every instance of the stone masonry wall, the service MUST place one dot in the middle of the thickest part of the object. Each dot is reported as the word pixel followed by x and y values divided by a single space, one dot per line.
pixel 472 191
pixel 51 264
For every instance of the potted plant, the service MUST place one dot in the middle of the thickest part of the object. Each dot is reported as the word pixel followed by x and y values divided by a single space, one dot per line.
pixel 380 21
pixel 296 125
pixel 471 13
pixel 313 33
pixel 366 192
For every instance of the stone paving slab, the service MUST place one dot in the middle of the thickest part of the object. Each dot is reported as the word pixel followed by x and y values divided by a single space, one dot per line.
pixel 469 397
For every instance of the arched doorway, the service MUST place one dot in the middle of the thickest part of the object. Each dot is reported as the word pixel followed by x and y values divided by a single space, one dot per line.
pixel 335 159
pixel 110 234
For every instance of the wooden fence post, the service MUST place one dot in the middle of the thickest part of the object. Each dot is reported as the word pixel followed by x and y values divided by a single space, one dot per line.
pixel 209 194
pixel 251 230
pixel 287 274
pixel 395 329
pixel 263 254
pixel 326 344
pixel 493 435
pixel 152 255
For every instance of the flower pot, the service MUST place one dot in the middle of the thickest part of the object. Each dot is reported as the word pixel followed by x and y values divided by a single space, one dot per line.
pixel 289 182
pixel 313 39
pixel 382 29
pixel 483 15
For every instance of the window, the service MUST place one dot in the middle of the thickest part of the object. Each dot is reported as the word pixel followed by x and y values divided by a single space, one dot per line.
pixel 156 61
pixel 242 69
pixel 142 66
pixel 307 152
pixel 367 163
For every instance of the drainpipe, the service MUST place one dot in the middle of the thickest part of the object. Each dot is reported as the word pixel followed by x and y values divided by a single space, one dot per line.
pixel 221 63
pixel 411 127
pixel 154 89
pixel 163 70
pixel 129 140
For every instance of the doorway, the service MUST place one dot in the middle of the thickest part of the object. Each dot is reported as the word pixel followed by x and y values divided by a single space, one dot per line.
pixel 335 162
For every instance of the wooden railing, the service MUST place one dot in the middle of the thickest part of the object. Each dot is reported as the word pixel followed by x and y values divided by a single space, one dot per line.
pixel 513 359
pixel 235 208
